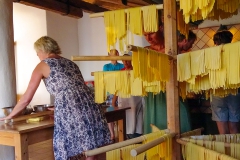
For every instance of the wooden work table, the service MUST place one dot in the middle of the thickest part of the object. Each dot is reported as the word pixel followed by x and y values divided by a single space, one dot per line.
pixel 118 114
pixel 22 134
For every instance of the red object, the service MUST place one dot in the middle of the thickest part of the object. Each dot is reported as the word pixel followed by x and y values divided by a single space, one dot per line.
pixel 89 83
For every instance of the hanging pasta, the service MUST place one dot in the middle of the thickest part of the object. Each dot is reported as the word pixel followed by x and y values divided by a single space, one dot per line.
pixel 161 151
pixel 183 67
pixel 115 27
pixel 197 62
pixel 181 25
pixel 235 148
pixel 135 20
pixel 213 57
pixel 232 65
pixel 99 91
pixel 150 18
pixel 110 29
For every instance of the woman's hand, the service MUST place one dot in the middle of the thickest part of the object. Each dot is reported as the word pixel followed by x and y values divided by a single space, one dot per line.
pixel 5 118
pixel 51 108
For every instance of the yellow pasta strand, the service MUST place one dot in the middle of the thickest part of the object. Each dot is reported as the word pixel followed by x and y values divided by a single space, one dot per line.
pixel 150 18
pixel 183 67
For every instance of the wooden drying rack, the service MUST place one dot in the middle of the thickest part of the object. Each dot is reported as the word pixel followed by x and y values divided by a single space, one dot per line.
pixel 170 28
pixel 135 151
pixel 142 148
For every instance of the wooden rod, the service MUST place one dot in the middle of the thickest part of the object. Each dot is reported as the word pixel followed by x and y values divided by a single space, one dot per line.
pixel 101 14
pixel 116 146
pixel 147 146
pixel 134 48
pixel 192 133
pixel 100 58
pixel 183 142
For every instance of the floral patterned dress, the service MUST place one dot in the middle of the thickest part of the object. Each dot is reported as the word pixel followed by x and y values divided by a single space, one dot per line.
pixel 79 123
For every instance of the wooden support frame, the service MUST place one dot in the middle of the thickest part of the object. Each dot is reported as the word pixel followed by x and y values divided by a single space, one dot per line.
pixel 170 29
pixel 147 146
pixel 117 145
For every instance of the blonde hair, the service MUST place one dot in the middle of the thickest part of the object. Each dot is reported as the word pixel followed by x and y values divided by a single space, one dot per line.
pixel 113 52
pixel 47 45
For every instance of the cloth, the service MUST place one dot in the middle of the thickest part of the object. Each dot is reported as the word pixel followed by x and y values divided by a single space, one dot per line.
pixel 134 115
pixel 226 108
pixel 79 123
pixel 113 67
pixel 155 113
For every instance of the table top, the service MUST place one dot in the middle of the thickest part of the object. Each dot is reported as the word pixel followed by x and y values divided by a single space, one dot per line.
pixel 111 109
pixel 23 127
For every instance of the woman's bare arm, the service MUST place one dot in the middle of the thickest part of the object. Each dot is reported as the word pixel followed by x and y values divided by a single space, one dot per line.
pixel 37 75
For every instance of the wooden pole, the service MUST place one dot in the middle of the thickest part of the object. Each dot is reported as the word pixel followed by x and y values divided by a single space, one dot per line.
pixel 173 118
pixel 147 146
pixel 101 14
pixel 134 48
pixel 100 58
pixel 116 146
pixel 183 142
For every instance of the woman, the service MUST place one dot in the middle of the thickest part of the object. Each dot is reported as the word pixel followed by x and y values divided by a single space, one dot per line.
pixel 79 124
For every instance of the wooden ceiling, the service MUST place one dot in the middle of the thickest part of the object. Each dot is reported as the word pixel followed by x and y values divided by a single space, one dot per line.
pixel 74 8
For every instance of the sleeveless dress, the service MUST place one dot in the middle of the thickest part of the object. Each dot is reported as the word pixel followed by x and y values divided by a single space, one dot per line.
pixel 79 123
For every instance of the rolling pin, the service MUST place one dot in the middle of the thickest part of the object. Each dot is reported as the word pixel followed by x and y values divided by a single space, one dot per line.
pixel 25 117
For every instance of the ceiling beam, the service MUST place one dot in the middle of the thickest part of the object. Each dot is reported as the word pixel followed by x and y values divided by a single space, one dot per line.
pixel 87 6
pixel 151 1
pixel 55 6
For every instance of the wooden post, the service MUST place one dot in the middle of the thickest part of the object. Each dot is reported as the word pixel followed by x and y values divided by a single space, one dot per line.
pixel 173 120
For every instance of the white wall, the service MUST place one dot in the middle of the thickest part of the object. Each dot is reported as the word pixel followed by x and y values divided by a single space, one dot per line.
pixel 209 23
pixel 65 31
pixel 29 25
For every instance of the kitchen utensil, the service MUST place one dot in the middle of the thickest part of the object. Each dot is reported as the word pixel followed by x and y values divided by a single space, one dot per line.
pixel 42 107
pixel 7 110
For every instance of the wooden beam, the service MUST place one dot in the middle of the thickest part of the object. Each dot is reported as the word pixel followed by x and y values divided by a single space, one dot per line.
pixel 150 2
pixel 55 6
pixel 101 14
pixel 142 3
pixel 173 116
pixel 100 58
pixel 87 6
pixel 119 4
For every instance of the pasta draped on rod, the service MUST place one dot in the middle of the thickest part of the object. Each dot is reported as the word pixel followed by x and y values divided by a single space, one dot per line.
pixel 212 147
pixel 160 151
pixel 120 27
pixel 212 70
pixel 151 71
pixel 208 9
